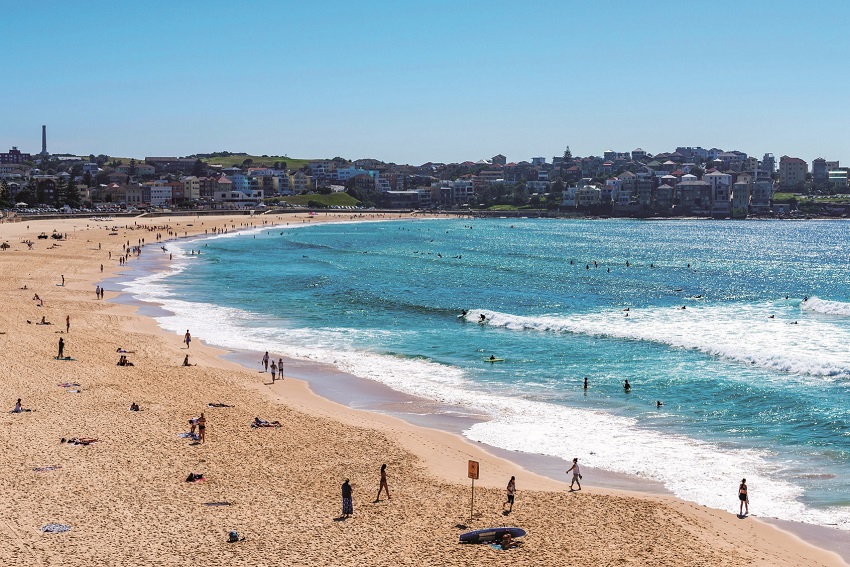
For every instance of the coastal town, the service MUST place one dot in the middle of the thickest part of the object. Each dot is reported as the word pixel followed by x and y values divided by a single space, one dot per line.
pixel 688 181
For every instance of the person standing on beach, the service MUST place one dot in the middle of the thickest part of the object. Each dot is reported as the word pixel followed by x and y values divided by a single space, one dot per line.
pixel 187 338
pixel 576 474
pixel 265 361
pixel 61 347
pixel 347 504
pixel 383 485
pixel 511 491
pixel 202 428
pixel 67 323
pixel 274 370
pixel 280 368
pixel 744 497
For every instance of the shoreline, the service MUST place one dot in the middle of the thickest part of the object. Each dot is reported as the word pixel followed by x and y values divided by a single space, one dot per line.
pixel 361 394
pixel 440 455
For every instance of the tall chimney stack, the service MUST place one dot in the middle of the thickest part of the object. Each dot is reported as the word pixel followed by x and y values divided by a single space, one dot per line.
pixel 43 140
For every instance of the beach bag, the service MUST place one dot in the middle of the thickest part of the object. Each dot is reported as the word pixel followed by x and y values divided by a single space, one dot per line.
pixel 232 537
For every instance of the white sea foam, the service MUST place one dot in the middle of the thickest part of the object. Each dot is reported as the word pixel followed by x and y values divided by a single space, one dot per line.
pixel 695 470
pixel 826 307
pixel 740 332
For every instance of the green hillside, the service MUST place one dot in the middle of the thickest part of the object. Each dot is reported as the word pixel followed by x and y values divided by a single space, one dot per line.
pixel 256 161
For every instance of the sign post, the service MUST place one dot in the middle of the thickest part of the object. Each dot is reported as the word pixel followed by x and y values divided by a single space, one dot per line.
pixel 472 472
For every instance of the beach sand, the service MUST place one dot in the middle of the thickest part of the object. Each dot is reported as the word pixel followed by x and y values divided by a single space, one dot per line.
pixel 127 501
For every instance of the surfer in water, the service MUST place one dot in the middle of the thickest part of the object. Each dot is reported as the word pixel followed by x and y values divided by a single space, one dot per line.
pixel 482 318
pixel 627 387
pixel 492 358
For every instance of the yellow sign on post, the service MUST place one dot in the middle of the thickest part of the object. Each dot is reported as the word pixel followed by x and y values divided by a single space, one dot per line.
pixel 473 470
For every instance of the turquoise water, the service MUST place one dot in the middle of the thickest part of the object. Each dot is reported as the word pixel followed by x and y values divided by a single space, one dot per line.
pixel 754 380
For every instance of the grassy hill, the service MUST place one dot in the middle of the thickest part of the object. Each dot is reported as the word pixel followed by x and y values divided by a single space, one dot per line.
pixel 332 200
pixel 256 161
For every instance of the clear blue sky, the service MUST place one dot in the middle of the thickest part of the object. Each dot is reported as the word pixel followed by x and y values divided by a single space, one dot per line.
pixel 426 81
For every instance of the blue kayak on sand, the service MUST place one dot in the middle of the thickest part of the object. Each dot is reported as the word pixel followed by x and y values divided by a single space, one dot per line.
pixel 490 534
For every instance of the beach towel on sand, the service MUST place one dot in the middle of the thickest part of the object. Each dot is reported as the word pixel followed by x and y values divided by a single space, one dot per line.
pixel 55 528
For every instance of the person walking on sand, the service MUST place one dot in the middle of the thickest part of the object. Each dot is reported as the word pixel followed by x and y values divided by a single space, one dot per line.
pixel 347 504
pixel 383 485
pixel 744 498
pixel 61 347
pixel 187 338
pixel 67 323
pixel 274 370
pixel 511 491
pixel 576 474
pixel 265 361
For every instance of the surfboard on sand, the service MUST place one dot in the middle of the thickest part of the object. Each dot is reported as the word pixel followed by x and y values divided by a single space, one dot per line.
pixel 63 358
pixel 490 534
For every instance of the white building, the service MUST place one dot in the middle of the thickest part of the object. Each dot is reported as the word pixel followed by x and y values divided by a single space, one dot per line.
pixel 161 195
pixel 233 199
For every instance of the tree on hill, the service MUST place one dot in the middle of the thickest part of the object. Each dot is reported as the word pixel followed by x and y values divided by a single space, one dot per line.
pixel 25 195
pixel 568 155
pixel 198 168
pixel 58 192
pixel 132 171
pixel 4 194
pixel 72 194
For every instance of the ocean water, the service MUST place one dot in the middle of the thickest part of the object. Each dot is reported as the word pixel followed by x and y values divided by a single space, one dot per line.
pixel 708 317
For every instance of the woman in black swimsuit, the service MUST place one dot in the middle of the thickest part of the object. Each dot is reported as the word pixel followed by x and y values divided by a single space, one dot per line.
pixel 202 426
pixel 744 498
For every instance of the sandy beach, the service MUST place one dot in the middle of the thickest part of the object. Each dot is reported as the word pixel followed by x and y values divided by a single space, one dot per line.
pixel 126 499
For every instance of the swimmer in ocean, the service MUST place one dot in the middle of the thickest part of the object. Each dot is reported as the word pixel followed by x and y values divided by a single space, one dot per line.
pixel 482 318
pixel 659 403
pixel 627 387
